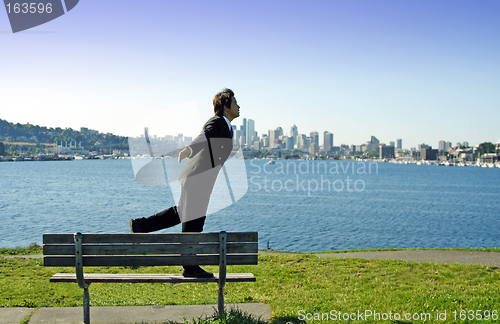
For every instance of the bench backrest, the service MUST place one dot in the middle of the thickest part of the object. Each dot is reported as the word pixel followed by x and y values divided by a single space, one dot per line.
pixel 161 249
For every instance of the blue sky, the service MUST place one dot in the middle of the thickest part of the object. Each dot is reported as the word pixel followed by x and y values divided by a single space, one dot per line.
pixel 422 71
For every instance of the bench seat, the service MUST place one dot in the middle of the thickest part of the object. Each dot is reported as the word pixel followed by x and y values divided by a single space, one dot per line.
pixel 148 278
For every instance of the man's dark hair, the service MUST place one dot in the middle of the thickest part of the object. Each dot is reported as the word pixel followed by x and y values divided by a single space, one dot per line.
pixel 221 100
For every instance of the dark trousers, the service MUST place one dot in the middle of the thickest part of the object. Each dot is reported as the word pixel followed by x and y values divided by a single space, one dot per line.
pixel 168 218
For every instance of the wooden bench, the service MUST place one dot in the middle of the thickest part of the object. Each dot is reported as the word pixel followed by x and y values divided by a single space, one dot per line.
pixel 161 249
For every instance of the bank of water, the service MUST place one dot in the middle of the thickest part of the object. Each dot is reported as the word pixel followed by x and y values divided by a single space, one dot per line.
pixel 294 205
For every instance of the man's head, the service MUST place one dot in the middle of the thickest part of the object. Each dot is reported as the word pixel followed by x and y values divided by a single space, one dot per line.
pixel 225 104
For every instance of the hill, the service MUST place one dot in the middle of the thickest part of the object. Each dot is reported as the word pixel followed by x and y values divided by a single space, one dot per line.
pixel 31 139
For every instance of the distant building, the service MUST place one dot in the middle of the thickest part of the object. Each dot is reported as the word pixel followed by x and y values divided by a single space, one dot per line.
pixel 243 133
pixel 250 131
pixel 72 149
pixel 423 146
pixel 327 141
pixel 236 134
pixel 88 131
pixel 289 143
pixel 443 146
pixel 256 145
pixel 301 141
pixel 274 135
pixel 265 140
pixel 315 137
pixel 428 154
pixel 373 144
pixel 386 151
pixel 399 144
pixel 488 158
pixel 313 148
pixel 294 133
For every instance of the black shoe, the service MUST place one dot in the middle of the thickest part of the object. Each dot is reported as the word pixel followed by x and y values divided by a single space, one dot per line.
pixel 197 273
pixel 134 227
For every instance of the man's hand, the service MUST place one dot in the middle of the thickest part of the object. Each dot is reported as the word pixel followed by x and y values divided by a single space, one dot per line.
pixel 184 153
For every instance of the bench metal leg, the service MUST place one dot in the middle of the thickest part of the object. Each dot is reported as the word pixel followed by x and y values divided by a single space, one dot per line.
pixel 221 302
pixel 86 306
pixel 222 271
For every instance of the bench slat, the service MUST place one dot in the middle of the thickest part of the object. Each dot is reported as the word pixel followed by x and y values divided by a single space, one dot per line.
pixel 133 249
pixel 151 238
pixel 148 278
pixel 97 261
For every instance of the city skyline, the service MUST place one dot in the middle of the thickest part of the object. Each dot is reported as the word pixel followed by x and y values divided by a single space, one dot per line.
pixel 414 70
pixel 442 144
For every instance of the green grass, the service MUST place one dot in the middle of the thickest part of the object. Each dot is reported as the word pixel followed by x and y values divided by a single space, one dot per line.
pixel 232 316
pixel 33 248
pixel 288 283
pixel 491 249
pixel 37 249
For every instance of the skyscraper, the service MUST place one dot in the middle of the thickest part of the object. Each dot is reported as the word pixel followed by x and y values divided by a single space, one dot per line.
pixel 327 141
pixel 250 131
pixel 274 135
pixel 294 133
pixel 442 146
pixel 289 143
pixel 243 132
pixel 373 144
pixel 301 141
pixel 315 137
pixel 235 135
pixel 313 148
pixel 399 144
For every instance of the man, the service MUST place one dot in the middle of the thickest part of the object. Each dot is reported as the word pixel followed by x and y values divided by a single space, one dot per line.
pixel 207 153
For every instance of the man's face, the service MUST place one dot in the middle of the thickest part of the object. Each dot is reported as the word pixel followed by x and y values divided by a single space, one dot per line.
pixel 234 110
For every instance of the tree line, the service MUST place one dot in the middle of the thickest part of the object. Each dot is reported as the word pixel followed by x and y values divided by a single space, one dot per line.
pixel 39 135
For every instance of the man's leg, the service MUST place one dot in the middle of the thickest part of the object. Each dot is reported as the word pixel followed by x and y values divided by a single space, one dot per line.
pixel 193 205
pixel 195 225
pixel 164 219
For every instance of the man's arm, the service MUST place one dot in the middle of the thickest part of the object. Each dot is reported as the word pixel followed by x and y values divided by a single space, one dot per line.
pixel 210 130
pixel 186 152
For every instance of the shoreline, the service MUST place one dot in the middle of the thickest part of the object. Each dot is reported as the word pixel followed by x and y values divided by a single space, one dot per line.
pixel 483 256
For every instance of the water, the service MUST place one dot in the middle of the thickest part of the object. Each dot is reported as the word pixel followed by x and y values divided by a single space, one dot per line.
pixel 380 205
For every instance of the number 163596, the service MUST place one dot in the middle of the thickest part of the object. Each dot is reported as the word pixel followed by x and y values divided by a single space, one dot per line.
pixel 477 315
pixel 27 8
